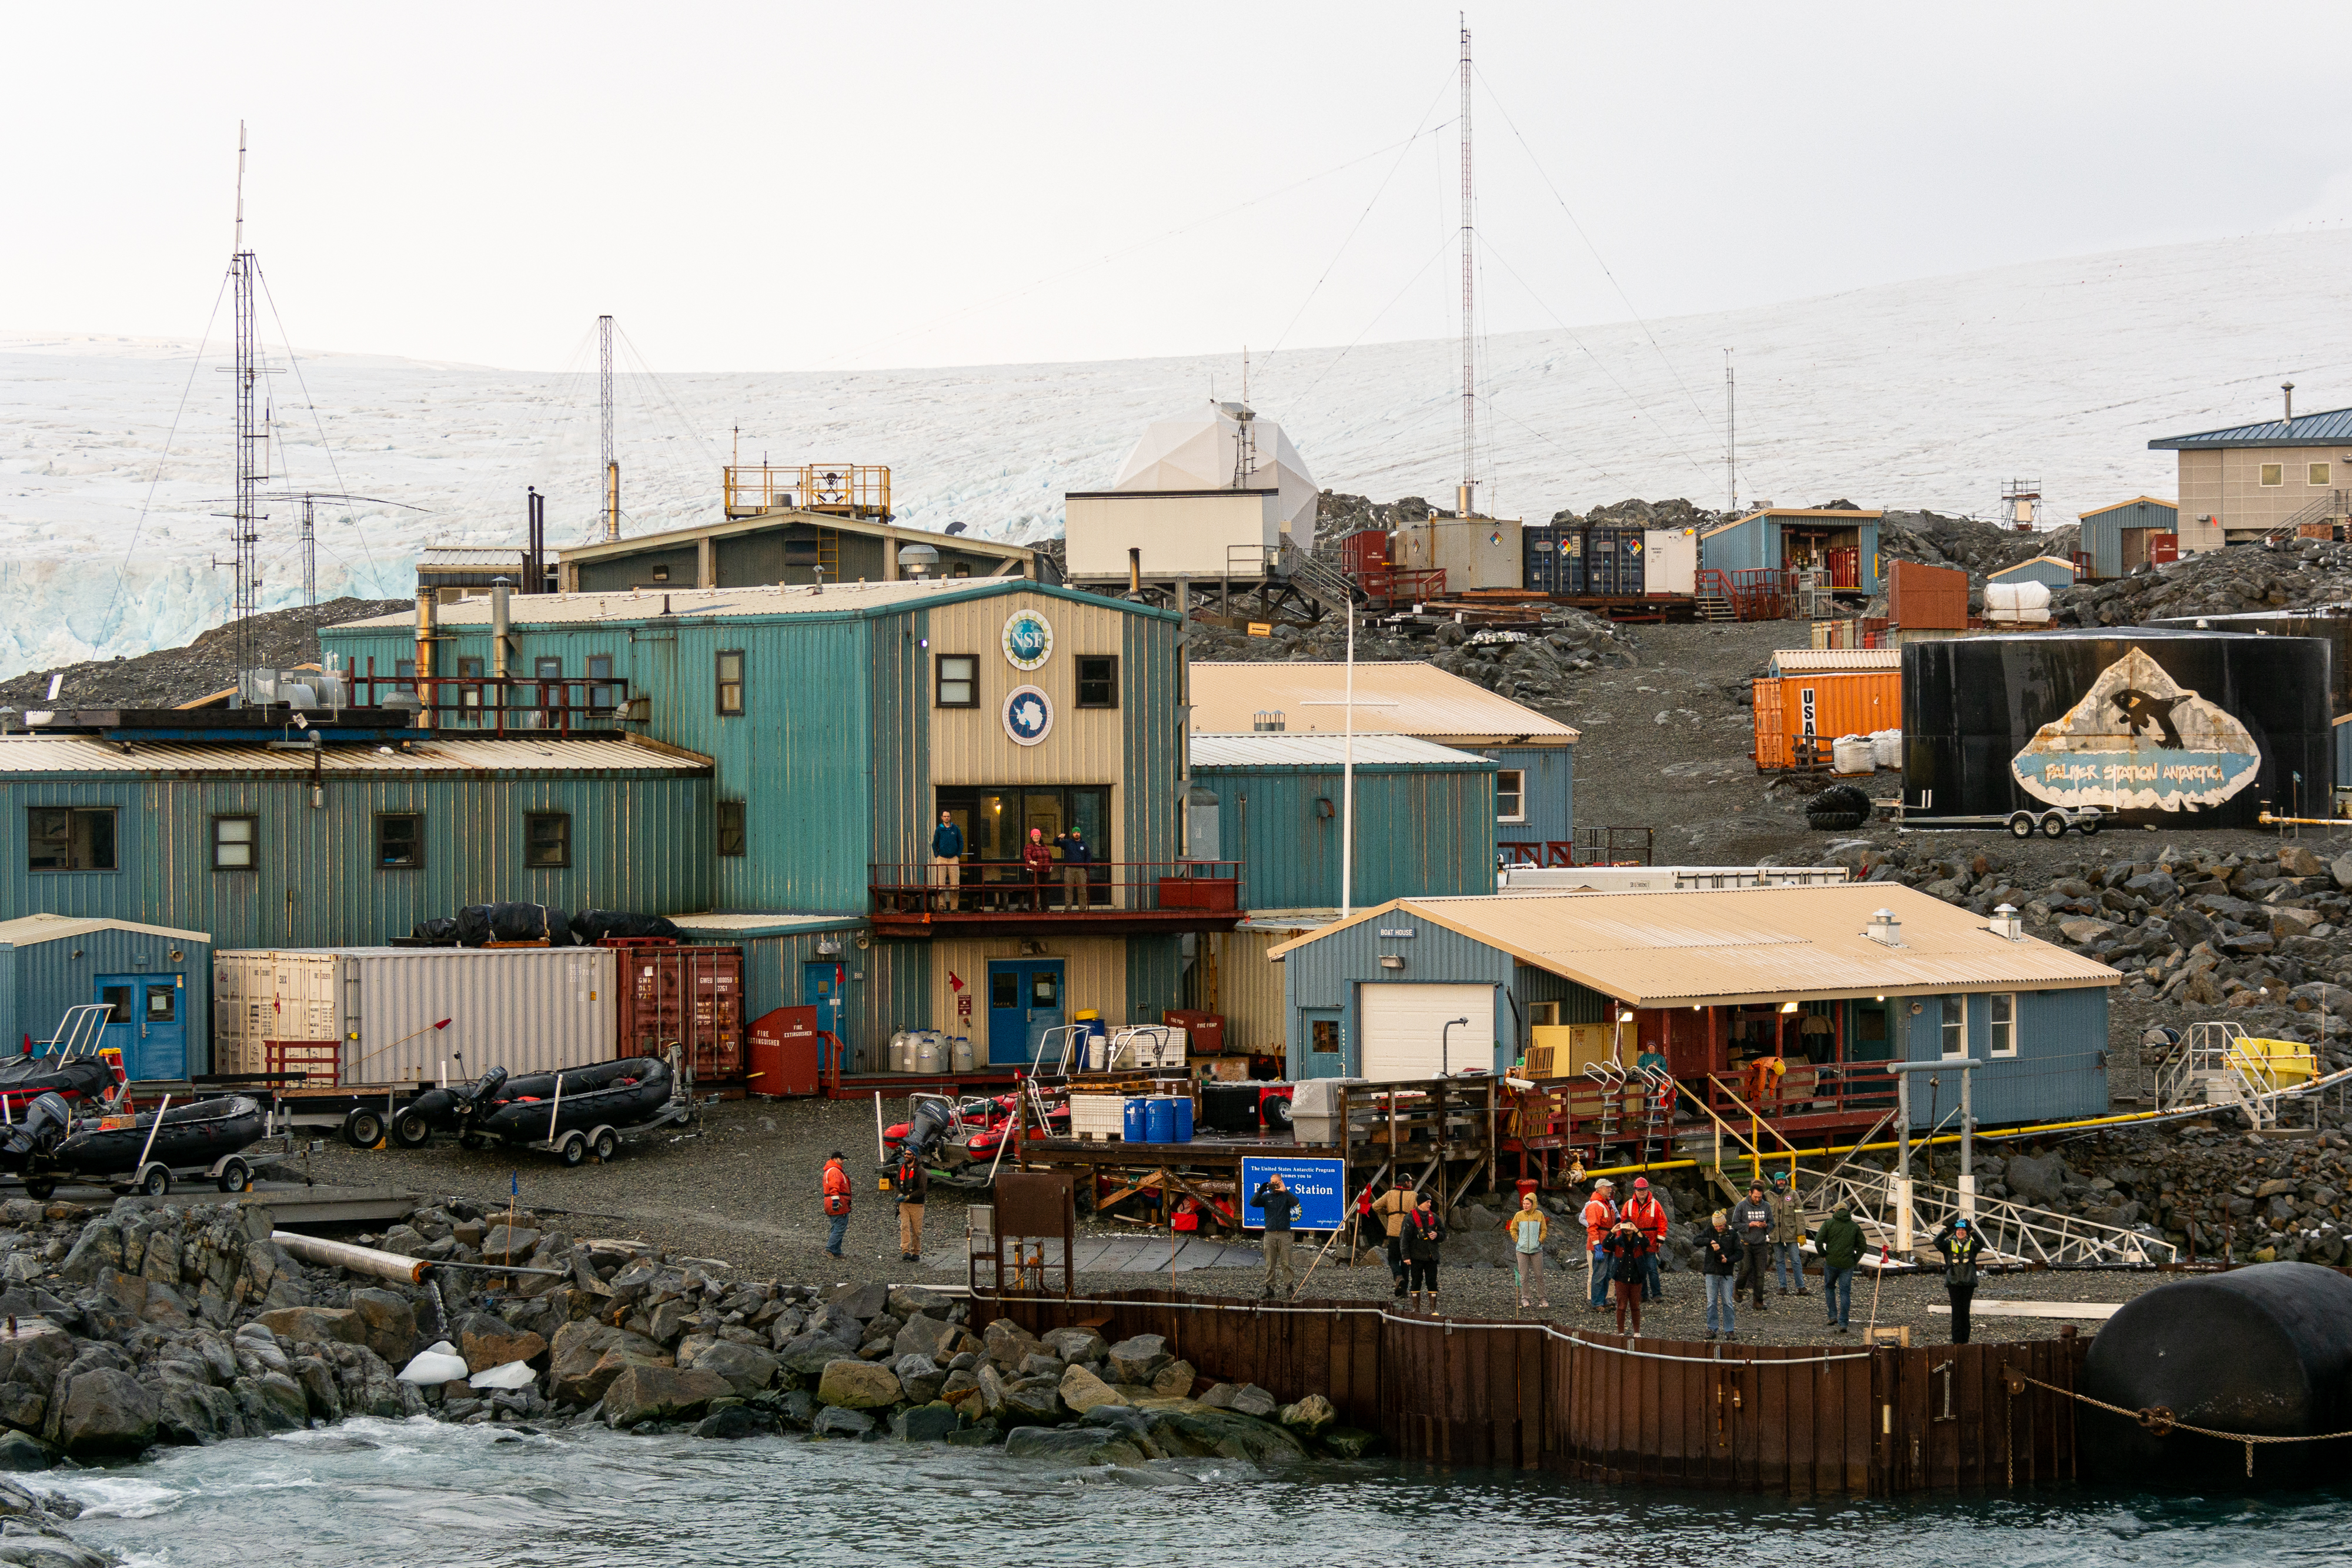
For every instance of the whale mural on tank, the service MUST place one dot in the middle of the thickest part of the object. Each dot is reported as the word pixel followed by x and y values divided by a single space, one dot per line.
pixel 2139 741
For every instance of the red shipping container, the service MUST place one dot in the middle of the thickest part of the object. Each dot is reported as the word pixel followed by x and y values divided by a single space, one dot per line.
pixel 1926 597
pixel 786 1056
pixel 1364 551
pixel 689 997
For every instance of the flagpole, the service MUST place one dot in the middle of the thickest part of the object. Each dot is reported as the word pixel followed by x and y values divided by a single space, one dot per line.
pixel 1348 781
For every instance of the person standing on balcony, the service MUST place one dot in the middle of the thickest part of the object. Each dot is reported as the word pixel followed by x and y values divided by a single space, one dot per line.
pixel 1076 858
pixel 1037 855
pixel 946 861
pixel 1599 1218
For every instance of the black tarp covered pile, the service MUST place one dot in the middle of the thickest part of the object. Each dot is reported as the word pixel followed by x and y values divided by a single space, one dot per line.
pixel 591 926
pixel 482 923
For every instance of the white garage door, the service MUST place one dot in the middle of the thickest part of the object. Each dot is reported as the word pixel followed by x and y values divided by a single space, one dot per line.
pixel 1404 1029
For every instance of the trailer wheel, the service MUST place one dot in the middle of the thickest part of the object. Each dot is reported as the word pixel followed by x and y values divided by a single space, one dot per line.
pixel 2054 826
pixel 574 1149
pixel 2089 825
pixel 155 1181
pixel 364 1128
pixel 2020 826
pixel 607 1144
pixel 235 1177
pixel 40 1190
pixel 411 1131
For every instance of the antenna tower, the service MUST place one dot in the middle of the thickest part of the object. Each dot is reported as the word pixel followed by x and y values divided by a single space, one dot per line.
pixel 252 434
pixel 1465 501
pixel 309 557
pixel 608 476
pixel 1731 439
pixel 1246 434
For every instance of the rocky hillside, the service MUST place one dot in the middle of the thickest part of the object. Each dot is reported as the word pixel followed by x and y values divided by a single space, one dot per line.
pixel 2295 574
pixel 281 639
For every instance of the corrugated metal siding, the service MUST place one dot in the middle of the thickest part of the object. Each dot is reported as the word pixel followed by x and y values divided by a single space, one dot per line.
pixel 1578 1004
pixel 636 843
pixel 1155 977
pixel 1419 831
pixel 1152 681
pixel 2102 532
pixel 902 728
pixel 1249 989
pixel 40 979
pixel 1328 973
pixel 886 987
pixel 2057 1075
pixel 1740 546
pixel 1550 796
pixel 1844 702
pixel 968 746
pixel 1093 974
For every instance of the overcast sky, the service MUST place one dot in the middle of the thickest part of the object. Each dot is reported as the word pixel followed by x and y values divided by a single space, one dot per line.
pixel 803 187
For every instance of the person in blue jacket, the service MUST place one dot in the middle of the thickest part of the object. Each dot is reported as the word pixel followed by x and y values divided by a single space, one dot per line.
pixel 946 861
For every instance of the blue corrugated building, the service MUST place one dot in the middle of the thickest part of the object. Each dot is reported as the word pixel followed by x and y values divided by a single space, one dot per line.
pixel 2117 538
pixel 1535 756
pixel 154 982
pixel 1785 1000
pixel 1424 817
pixel 2046 570
pixel 1843 545
pixel 842 723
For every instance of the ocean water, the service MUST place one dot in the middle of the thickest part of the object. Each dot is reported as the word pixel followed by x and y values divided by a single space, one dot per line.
pixel 394 1494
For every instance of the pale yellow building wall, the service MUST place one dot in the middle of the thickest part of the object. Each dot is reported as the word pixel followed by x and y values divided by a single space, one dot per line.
pixel 2226 486
pixel 1249 989
pixel 1093 974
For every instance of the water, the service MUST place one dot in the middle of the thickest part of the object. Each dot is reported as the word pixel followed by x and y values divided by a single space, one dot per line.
pixel 397 1494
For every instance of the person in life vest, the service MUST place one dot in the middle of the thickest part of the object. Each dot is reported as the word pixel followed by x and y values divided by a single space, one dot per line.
pixel 1960 1244
pixel 914 1186
pixel 1599 1218
pixel 1650 1217
pixel 837 1201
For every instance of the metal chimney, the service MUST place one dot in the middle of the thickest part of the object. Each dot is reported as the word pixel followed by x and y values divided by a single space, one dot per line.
pixel 498 590
pixel 1884 927
pixel 425 637
pixel 2288 388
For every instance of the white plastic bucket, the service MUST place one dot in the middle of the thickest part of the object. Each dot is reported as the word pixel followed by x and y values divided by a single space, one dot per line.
pixel 960 1054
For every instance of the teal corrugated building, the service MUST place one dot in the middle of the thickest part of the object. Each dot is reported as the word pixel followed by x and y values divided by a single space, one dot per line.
pixel 2117 538
pixel 154 982
pixel 1424 817
pixel 2046 570
pixel 1841 545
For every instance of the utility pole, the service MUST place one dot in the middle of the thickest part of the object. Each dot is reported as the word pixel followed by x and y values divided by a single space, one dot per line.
pixel 608 474
pixel 1731 439
pixel 1465 502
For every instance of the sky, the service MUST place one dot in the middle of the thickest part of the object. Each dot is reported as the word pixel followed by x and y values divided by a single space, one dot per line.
pixel 792 187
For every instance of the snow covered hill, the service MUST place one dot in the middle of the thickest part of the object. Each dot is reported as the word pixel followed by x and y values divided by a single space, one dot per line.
pixel 1927 393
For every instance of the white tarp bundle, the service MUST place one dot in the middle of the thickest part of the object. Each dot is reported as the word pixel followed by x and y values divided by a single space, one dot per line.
pixel 1200 450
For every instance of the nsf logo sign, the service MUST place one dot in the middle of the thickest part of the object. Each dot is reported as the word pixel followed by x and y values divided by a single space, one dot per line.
pixel 1028 639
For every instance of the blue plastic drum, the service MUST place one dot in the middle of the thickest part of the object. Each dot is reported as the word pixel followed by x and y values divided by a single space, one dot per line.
pixel 1135 1131
pixel 1158 1120
pixel 1182 1106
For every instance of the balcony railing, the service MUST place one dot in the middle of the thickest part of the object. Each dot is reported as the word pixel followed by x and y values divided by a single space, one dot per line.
pixel 1137 894
pixel 496 704
pixel 843 489
pixel 1592 846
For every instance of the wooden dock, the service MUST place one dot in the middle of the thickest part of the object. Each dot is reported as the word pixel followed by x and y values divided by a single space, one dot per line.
pixel 1838 1420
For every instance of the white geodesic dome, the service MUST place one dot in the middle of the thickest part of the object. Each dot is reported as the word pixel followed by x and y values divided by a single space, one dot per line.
pixel 1199 450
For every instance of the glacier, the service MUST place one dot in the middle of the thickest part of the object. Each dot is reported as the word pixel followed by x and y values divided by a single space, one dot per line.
pixel 1926 394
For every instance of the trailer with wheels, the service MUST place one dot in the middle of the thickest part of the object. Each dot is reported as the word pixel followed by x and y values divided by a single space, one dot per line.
pixel 2049 821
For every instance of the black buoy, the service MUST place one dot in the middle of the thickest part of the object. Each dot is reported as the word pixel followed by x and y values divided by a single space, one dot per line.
pixel 2265 1350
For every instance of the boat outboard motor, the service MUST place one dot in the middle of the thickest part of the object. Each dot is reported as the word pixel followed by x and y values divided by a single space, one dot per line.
pixel 41 1128
pixel 930 1120
pixel 484 1090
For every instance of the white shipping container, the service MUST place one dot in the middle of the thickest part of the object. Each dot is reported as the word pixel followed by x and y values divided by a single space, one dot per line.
pixel 526 1009
pixel 1669 560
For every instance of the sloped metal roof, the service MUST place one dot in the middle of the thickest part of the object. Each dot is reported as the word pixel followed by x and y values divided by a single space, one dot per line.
pixel 2323 429
pixel 33 754
pixel 1398 697
pixel 26 930
pixel 689 604
pixel 2119 505
pixel 1751 944
pixel 1817 660
pixel 1280 749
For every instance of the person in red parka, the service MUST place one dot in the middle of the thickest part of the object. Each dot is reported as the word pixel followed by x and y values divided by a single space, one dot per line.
pixel 837 1201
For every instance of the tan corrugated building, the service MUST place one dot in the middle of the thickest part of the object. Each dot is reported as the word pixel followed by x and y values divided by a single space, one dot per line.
pixel 2243 482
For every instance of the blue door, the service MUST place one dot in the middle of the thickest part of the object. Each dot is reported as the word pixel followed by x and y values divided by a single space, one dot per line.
pixel 821 989
pixel 146 1019
pixel 1024 1000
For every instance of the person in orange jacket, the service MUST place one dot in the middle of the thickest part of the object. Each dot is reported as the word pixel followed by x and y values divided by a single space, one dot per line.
pixel 1649 1217
pixel 837 1201
pixel 1599 1218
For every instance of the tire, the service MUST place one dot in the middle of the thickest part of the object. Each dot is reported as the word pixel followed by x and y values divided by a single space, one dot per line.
pixel 411 1131
pixel 155 1181
pixel 1837 808
pixel 235 1177
pixel 607 1144
pixel 2020 826
pixel 1276 1111
pixel 364 1128
pixel 1835 821
pixel 574 1149
pixel 2089 826
pixel 40 1190
pixel 2054 826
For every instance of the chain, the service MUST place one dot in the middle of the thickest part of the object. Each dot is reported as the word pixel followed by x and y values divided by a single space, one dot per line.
pixel 2160 1421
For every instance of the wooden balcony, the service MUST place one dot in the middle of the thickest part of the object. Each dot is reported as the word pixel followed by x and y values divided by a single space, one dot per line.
pixel 1006 898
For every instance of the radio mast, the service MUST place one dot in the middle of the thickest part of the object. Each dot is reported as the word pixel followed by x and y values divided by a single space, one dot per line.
pixel 1465 500
pixel 608 476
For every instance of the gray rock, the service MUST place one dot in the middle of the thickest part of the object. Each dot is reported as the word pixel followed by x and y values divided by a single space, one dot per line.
pixel 1235 1435
pixel 1082 1391
pixel 734 1422
pixel 316 1325
pixel 746 1368
pixel 1034 1401
pixel 840 1421
pixel 920 1377
pixel 1076 1346
pixel 1310 1416
pixel 21 1451
pixel 926 1336
pixel 1136 1359
pixel 1249 1399
pixel 906 1301
pixel 1009 1344
pixel 1041 1366
pixel 106 1412
pixel 1175 1380
pixel 2036 1181
pixel 659 1394
pixel 858 1385
pixel 927 1422
pixel 1071 1445
pixel 864 1302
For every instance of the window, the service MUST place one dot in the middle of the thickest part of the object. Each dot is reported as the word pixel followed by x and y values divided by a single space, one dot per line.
pixel 1511 795
pixel 1955 1025
pixel 2274 474
pixel 547 839
pixel 234 842
pixel 1099 682
pixel 162 1004
pixel 2318 475
pixel 963 568
pixel 600 668
pixel 731 827
pixel 2003 1015
pixel 959 680
pixel 117 999
pixel 399 841
pixel 470 697
pixel 1543 1015
pixel 404 669
pixel 68 837
pixel 1323 1034
pixel 731 682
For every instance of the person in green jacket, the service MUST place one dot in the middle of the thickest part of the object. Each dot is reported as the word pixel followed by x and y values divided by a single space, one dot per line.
pixel 1841 1243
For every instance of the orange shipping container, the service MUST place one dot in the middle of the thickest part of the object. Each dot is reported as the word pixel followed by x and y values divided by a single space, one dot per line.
pixel 1824 704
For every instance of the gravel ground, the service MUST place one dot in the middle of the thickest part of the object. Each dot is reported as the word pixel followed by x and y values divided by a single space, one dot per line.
pixel 745 1194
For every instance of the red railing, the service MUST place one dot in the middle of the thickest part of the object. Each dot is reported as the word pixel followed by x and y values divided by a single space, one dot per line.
pixel 500 705
pixel 1592 846
pixel 1803 1090
pixel 1752 593
pixel 1116 889
pixel 1385 583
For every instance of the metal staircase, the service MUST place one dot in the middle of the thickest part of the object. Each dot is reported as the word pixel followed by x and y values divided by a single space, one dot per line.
pixel 1319 580
pixel 2013 1233
pixel 2217 1063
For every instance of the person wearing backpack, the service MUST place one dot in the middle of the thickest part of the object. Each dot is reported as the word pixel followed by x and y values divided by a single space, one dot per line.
pixel 914 1186
pixel 836 1202
pixel 1960 1244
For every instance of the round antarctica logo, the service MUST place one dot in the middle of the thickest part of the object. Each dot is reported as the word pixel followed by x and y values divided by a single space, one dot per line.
pixel 1028 639
pixel 1028 715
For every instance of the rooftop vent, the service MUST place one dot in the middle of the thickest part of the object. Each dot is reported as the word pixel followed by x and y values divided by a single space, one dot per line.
pixel 2005 921
pixel 1885 927
pixel 1268 718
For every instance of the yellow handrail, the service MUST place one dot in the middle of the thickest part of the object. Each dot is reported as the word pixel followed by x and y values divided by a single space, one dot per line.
pixel 1755 1157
